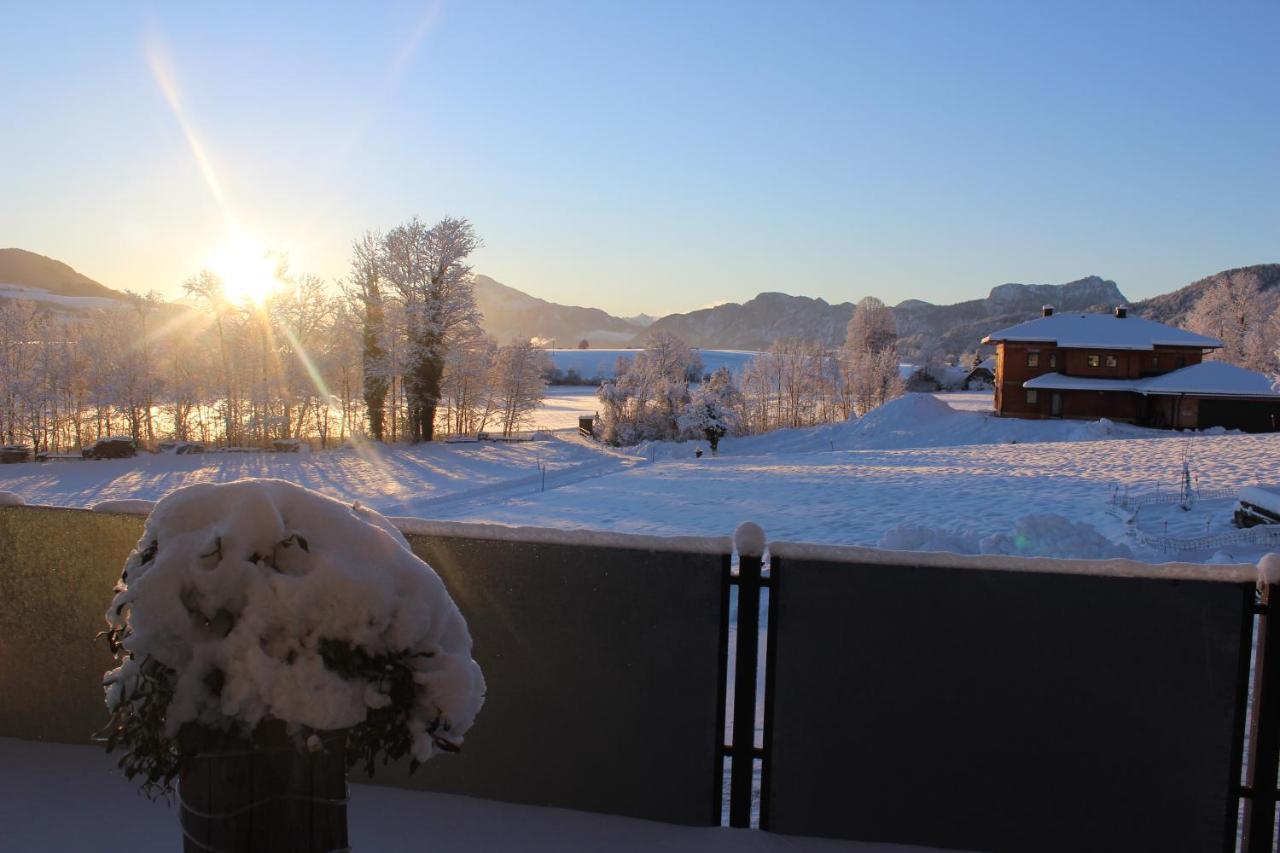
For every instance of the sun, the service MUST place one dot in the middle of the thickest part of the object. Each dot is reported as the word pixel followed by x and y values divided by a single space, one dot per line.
pixel 247 270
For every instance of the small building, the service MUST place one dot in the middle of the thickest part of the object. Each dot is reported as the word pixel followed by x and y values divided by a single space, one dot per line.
pixel 1128 369
pixel 983 375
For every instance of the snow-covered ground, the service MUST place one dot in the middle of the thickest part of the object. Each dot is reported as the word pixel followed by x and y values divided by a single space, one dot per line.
pixel 924 472
pixel 564 404
pixel 590 363
pixel 55 797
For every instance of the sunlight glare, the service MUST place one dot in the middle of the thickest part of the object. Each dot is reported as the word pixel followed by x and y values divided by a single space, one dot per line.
pixel 247 270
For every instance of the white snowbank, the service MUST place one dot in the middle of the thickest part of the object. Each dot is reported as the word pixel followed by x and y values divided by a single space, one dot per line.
pixel 1044 535
pixel 749 539
pixel 248 578
pixel 10 499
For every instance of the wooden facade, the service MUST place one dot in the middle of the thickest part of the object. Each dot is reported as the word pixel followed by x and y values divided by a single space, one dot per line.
pixel 1017 362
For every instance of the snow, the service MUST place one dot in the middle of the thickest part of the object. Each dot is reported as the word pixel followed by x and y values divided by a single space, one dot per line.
pixel 593 363
pixel 35 294
pixel 1046 535
pixel 1114 567
pixel 245 578
pixel 1266 498
pixel 1269 569
pixel 749 539
pixel 1210 378
pixel 1103 331
pixel 55 797
pixel 942 462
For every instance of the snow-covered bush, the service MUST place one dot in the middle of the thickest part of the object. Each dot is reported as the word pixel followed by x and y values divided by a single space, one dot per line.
pixel 260 600
pixel 712 410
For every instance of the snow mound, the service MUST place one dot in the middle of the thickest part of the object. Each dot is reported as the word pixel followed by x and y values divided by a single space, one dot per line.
pixel 908 413
pixel 1044 535
pixel 749 539
pixel 10 499
pixel 241 588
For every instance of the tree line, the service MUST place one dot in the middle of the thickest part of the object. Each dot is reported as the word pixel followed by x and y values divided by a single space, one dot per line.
pixel 395 353
pixel 662 394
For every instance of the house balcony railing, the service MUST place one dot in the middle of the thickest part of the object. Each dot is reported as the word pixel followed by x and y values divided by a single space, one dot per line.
pixel 965 702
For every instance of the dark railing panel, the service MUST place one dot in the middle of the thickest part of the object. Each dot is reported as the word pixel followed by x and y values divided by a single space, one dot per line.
pixel 603 660
pixel 1003 710
pixel 57 568
pixel 603 667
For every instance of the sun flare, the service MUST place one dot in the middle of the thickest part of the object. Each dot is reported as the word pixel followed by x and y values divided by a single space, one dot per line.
pixel 247 270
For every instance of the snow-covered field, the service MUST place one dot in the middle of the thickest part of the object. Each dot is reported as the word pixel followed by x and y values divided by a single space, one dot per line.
pixel 918 473
pixel 590 363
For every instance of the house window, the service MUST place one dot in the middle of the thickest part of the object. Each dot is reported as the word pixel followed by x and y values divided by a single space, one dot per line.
pixel 1180 361
pixel 1112 361
pixel 1033 358
pixel 1053 359
pixel 1155 361
pixel 1031 396
pixel 1095 360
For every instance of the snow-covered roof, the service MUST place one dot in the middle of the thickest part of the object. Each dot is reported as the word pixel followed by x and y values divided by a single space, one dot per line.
pixel 1208 379
pixel 1268 499
pixel 1212 377
pixel 988 363
pixel 1103 331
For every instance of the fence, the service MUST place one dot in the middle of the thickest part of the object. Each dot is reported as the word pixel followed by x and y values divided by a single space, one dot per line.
pixel 1262 535
pixel 1172 496
pixel 982 703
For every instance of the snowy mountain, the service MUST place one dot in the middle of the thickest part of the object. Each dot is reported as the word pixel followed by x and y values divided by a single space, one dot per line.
pixel 956 328
pixel 26 275
pixel 1173 308
pixel 510 313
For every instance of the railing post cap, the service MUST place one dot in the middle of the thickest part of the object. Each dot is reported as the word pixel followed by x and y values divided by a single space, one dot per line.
pixel 749 539
pixel 1269 569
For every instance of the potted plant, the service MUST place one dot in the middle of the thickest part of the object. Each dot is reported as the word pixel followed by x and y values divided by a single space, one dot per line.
pixel 268 638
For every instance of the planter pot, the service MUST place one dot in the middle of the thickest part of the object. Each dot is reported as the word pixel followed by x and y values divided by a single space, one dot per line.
pixel 260 794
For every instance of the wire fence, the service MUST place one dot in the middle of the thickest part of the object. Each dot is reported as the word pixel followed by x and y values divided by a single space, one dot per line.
pixel 1267 534
pixel 1134 501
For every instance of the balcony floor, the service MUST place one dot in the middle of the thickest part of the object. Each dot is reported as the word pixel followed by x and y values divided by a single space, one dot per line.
pixel 55 797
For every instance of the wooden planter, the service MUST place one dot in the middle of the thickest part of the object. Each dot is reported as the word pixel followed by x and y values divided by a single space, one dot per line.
pixel 261 794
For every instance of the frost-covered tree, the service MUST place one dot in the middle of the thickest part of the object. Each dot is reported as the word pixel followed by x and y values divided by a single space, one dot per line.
pixel 206 288
pixel 518 384
pixel 1234 311
pixel 428 268
pixel 366 291
pixel 649 392
pixel 713 410
pixel 871 354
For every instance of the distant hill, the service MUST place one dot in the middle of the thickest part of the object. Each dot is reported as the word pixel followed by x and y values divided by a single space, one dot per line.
pixel 510 313
pixel 956 328
pixel 1173 308
pixel 27 270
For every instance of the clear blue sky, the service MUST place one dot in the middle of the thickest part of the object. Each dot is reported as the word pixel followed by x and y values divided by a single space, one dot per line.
pixel 656 157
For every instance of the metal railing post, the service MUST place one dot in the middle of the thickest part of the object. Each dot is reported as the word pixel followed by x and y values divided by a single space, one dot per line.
pixel 744 691
pixel 1260 824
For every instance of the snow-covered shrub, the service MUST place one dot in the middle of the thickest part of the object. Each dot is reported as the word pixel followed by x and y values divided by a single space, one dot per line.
pixel 712 410
pixel 261 600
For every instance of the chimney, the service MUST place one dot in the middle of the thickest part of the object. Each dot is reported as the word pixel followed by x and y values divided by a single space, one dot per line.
pixel 1121 312
pixel 1046 311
